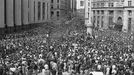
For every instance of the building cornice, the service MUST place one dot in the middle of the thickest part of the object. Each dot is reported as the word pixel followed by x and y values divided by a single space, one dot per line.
pixel 128 6
pixel 108 8
pixel 112 8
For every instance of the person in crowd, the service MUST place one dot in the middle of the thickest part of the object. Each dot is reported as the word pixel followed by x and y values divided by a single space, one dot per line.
pixel 76 53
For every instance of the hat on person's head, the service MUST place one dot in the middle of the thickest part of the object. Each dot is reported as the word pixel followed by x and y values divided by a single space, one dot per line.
pixel 51 47
pixel 46 66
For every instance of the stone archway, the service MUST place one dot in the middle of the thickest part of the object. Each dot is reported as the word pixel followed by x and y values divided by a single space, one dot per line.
pixel 119 21
pixel 119 24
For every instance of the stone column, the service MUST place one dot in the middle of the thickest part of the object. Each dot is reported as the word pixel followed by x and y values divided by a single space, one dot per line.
pixel 31 11
pixel 71 4
pixel 25 12
pixel 9 13
pixel 36 11
pixel 41 7
pixel 106 19
pixel 46 10
pixel 100 20
pixel 88 16
pixel 49 6
pixel 125 21
pixel 132 21
pixel 115 16
pixel 17 12
pixel 86 12
pixel 95 18
pixel 2 16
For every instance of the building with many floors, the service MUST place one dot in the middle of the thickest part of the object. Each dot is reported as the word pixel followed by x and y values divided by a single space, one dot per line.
pixel 20 13
pixel 83 8
pixel 61 8
pixel 117 13
pixel 80 7
pixel 73 6
pixel 87 11
pixel 88 14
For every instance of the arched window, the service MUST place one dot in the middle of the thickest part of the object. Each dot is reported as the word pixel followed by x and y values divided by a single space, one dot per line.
pixel 119 21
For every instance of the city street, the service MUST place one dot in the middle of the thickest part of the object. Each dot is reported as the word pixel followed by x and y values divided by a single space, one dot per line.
pixel 35 45
pixel 66 37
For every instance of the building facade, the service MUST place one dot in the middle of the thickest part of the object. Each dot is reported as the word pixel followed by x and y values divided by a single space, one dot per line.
pixel 60 9
pixel 88 11
pixel 83 9
pixel 20 13
pixel 73 6
pixel 80 7
pixel 117 13
pixel 88 14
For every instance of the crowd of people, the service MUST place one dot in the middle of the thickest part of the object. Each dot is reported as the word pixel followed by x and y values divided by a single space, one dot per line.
pixel 32 53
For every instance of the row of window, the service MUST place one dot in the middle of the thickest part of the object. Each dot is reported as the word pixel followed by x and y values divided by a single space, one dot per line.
pixel 98 4
pixel 58 6
pixel 98 12
pixel 43 10
pixel 82 3
pixel 107 0
pixel 57 14
pixel 130 3
pixel 111 12
pixel 111 4
pixel 103 4
pixel 52 1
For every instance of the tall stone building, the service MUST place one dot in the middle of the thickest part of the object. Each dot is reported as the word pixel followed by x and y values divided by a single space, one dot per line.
pixel 73 6
pixel 88 15
pixel 118 13
pixel 80 7
pixel 83 9
pixel 60 9
pixel 16 14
